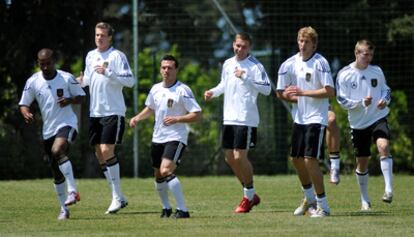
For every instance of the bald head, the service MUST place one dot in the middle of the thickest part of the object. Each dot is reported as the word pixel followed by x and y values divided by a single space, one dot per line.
pixel 46 63
pixel 45 54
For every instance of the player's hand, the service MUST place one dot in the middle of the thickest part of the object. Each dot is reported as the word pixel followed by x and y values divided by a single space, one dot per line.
pixel 79 79
pixel 62 101
pixel 367 100
pixel 208 95
pixel 170 120
pixel 100 69
pixel 133 122
pixel 292 91
pixel 28 117
pixel 238 72
pixel 381 104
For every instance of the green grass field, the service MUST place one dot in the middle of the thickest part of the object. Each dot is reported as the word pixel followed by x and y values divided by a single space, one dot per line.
pixel 29 208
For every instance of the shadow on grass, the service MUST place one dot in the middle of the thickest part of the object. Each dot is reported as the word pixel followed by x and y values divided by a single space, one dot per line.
pixel 363 213
pixel 106 216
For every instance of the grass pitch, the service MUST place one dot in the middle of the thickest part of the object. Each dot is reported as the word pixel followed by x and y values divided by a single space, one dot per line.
pixel 30 208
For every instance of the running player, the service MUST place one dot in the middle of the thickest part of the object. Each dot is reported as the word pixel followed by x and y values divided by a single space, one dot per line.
pixel 243 77
pixel 55 91
pixel 363 91
pixel 173 105
pixel 107 72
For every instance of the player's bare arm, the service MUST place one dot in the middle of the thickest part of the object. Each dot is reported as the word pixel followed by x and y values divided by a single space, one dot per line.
pixel 188 118
pixel 70 100
pixel 144 114
pixel 325 92
pixel 27 115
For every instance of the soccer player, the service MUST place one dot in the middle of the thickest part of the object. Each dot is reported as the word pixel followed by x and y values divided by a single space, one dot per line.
pixel 363 91
pixel 305 78
pixel 243 77
pixel 173 105
pixel 107 72
pixel 55 91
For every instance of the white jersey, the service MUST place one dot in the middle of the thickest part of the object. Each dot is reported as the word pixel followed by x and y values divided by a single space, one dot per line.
pixel 312 74
pixel 176 100
pixel 106 96
pixel 353 85
pixel 240 94
pixel 45 93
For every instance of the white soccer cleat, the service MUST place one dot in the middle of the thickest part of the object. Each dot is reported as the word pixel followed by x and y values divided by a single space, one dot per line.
pixel 334 176
pixel 387 197
pixel 320 213
pixel 114 207
pixel 124 202
pixel 63 215
pixel 305 207
pixel 72 198
pixel 366 206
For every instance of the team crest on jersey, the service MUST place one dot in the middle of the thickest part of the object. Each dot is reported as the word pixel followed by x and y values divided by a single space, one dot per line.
pixel 354 85
pixel 170 103
pixel 374 82
pixel 308 76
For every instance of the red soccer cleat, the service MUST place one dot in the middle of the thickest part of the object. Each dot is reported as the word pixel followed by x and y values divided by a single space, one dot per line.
pixel 246 205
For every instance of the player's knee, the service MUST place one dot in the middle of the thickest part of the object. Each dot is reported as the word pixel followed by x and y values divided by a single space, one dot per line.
pixel 57 152
pixel 106 152
pixel 383 149
pixel 165 171
pixel 331 120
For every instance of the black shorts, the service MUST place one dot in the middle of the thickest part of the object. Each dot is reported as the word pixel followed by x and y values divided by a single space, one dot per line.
pixel 239 137
pixel 66 132
pixel 363 138
pixel 308 141
pixel 169 150
pixel 106 130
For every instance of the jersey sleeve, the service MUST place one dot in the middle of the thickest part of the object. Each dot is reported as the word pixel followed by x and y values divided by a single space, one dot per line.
pixel 149 102
pixel 324 71
pixel 385 90
pixel 28 94
pixel 87 74
pixel 258 80
pixel 189 101
pixel 121 71
pixel 75 88
pixel 219 89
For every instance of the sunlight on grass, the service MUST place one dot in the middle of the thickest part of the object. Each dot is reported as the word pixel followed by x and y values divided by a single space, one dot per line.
pixel 29 208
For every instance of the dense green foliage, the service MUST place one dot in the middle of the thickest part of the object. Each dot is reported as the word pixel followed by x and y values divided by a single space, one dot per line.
pixel 199 35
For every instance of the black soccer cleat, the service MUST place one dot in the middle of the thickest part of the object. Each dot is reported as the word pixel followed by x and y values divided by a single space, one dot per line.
pixel 181 214
pixel 166 212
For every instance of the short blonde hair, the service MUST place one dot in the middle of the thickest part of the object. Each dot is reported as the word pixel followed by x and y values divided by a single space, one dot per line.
pixel 364 42
pixel 244 36
pixel 309 32
pixel 105 26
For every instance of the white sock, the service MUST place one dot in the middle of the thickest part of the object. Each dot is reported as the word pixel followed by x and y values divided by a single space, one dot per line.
pixel 67 171
pixel 107 177
pixel 61 194
pixel 249 193
pixel 113 172
pixel 386 167
pixel 175 186
pixel 335 163
pixel 322 203
pixel 362 179
pixel 309 194
pixel 162 189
